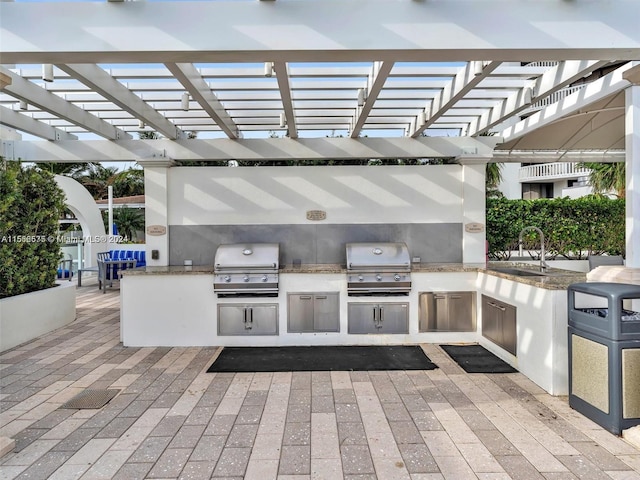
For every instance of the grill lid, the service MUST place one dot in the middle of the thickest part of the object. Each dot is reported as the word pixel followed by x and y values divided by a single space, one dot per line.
pixel 247 257
pixel 378 256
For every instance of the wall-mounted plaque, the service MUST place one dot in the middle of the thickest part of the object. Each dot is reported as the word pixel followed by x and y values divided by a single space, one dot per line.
pixel 474 227
pixel 156 230
pixel 316 215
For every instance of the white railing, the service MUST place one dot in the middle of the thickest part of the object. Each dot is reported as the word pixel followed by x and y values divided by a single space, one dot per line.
pixel 551 171
pixel 542 64
pixel 557 96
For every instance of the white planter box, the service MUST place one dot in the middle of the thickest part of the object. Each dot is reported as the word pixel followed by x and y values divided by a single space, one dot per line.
pixel 30 315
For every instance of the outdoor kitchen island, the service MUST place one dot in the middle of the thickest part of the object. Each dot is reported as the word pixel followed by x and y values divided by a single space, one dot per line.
pixel 177 306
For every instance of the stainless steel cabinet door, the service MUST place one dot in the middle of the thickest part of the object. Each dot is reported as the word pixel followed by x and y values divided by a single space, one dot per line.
pixel 362 317
pixel 447 312
pixel 378 317
pixel 326 312
pixel 394 318
pixel 499 323
pixel 461 312
pixel 300 312
pixel 248 319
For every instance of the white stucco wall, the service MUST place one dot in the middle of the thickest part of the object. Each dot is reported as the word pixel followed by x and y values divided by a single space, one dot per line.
pixel 275 195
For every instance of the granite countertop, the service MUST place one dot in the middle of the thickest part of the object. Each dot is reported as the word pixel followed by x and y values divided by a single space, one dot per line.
pixel 552 279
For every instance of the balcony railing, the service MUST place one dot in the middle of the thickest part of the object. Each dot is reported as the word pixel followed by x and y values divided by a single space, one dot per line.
pixel 553 98
pixel 544 172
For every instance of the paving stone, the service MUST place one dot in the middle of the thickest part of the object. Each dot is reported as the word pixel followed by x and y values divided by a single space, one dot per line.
pixel 131 471
pixel 347 412
pixel 116 427
pixel 297 433
pixel 475 419
pixel 208 448
pixel 299 413
pixel 242 436
pixel 187 436
pixel 356 459
pixel 496 443
pixel 351 433
pixel 150 449
pixel 26 437
pixel 582 467
pixel 170 463
pixel 406 432
pixel 232 463
pixel 220 425
pixel 255 397
pixel 518 467
pixel 249 414
pixel 295 460
pixel 344 395
pixel 396 412
pixel 197 471
pixel 426 421
pixel 300 397
pixel 322 404
pixel 600 457
pixel 168 426
pixel 418 459
pixel 44 467
pixel 76 440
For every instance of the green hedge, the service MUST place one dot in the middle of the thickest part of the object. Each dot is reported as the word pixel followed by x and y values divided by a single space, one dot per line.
pixel 573 228
pixel 30 205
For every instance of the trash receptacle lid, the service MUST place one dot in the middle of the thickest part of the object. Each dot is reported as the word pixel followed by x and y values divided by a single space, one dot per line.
pixel 606 289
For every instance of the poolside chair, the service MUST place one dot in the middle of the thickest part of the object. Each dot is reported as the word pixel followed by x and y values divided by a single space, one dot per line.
pixel 65 270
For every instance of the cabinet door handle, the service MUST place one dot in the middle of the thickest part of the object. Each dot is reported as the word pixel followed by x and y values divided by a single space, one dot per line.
pixel 321 297
pixel 375 318
pixel 495 305
pixel 381 315
pixel 248 318
pixel 439 297
pixel 455 296
pixel 305 297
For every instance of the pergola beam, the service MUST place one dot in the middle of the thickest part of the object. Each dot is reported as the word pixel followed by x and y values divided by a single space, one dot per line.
pixel 135 32
pixel 34 127
pixel 464 81
pixel 25 90
pixel 198 88
pixel 100 81
pixel 375 82
pixel 264 149
pixel 282 75
pixel 550 82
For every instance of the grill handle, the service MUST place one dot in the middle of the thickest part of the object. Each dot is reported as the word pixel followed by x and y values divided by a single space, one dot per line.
pixel 378 266
pixel 245 266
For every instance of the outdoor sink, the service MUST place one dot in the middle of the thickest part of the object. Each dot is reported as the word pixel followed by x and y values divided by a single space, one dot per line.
pixel 521 272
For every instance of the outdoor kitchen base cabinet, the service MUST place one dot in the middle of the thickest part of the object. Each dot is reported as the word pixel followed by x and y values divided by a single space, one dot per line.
pixel 499 323
pixel 447 312
pixel 314 312
pixel 378 317
pixel 248 319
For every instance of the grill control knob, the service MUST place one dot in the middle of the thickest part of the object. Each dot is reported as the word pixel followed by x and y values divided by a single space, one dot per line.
pixel 379 277
pixel 227 278
pixel 360 278
pixel 245 278
pixel 265 278
pixel 396 277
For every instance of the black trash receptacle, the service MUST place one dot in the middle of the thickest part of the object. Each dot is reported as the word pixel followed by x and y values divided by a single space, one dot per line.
pixel 604 353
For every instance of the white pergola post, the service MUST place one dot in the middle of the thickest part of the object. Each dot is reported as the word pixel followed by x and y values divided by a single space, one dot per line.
pixel 156 191
pixel 474 236
pixel 632 146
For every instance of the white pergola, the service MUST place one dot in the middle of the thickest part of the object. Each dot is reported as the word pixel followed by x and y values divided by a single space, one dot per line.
pixel 339 79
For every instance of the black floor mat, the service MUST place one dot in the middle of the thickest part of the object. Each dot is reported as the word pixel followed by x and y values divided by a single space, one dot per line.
pixel 477 359
pixel 321 358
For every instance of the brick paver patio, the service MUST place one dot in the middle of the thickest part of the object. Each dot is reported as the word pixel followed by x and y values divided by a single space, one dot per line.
pixel 172 420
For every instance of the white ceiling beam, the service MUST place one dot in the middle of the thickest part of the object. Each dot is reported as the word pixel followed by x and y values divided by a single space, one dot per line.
pixel 593 92
pixel 133 32
pixel 375 82
pixel 34 95
pixel 26 124
pixel 282 75
pixel 550 82
pixel 250 149
pixel 464 81
pixel 191 79
pixel 104 84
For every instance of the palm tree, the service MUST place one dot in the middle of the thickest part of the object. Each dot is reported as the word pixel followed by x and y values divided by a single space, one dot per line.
pixel 493 178
pixel 607 177
pixel 129 182
pixel 97 178
pixel 129 221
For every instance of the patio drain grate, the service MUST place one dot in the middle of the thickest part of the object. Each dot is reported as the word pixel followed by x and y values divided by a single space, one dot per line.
pixel 91 399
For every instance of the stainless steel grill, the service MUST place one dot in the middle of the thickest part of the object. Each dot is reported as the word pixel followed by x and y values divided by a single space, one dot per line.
pixel 378 269
pixel 247 269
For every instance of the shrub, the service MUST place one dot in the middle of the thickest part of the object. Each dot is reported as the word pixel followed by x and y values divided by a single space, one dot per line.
pixel 573 228
pixel 30 205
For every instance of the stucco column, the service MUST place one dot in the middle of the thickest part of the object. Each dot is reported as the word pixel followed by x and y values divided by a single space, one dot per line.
pixel 632 147
pixel 156 198
pixel 474 234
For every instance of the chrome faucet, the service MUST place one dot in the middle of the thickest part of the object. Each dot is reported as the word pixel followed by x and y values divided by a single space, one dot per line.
pixel 543 263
